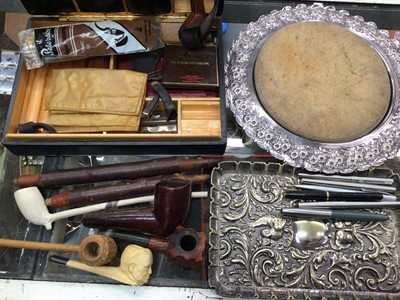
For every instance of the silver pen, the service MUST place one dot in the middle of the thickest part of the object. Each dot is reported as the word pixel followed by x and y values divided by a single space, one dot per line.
pixel 372 180
pixel 346 204
pixel 385 195
pixel 355 185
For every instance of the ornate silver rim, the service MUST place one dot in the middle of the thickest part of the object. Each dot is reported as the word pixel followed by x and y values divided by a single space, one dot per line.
pixel 369 151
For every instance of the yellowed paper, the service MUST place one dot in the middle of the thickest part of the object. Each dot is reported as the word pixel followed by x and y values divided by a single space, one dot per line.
pixel 96 90
pixel 95 100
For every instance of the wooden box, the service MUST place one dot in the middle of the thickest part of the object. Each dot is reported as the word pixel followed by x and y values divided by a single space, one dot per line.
pixel 201 120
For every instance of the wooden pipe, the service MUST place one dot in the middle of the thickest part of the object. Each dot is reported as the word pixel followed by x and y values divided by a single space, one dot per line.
pixel 135 267
pixel 121 190
pixel 184 246
pixel 94 250
pixel 189 32
pixel 171 206
pixel 122 171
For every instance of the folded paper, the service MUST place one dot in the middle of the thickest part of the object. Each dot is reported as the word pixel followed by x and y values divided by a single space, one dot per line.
pixel 92 100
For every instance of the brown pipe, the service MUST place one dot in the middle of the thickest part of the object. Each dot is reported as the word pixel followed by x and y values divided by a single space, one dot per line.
pixel 197 14
pixel 184 246
pixel 117 191
pixel 189 33
pixel 122 171
pixel 195 29
pixel 171 206
pixel 94 250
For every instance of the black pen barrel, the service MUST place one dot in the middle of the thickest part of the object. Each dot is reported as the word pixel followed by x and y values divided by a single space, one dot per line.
pixel 345 215
pixel 350 215
pixel 334 196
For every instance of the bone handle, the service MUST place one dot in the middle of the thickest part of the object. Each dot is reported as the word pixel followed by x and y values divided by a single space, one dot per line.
pixel 91 208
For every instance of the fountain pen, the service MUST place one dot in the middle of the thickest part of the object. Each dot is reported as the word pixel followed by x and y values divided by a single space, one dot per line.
pixel 345 215
pixel 348 205
pixel 338 196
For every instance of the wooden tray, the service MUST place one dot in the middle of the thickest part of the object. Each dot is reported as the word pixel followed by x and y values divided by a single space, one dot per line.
pixel 200 121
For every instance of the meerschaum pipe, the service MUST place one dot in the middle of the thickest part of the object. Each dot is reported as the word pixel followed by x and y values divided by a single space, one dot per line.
pixel 94 250
pixel 171 206
pixel 135 267
pixel 32 206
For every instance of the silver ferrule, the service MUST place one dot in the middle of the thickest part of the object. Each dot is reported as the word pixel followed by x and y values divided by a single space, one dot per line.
pixel 386 197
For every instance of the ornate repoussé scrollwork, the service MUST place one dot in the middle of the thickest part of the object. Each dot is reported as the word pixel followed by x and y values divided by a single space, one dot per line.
pixel 369 151
pixel 257 244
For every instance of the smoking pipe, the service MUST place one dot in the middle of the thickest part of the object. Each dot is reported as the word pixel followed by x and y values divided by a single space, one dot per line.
pixel 135 267
pixel 94 250
pixel 194 30
pixel 120 190
pixel 171 206
pixel 121 171
pixel 32 206
pixel 189 32
pixel 185 245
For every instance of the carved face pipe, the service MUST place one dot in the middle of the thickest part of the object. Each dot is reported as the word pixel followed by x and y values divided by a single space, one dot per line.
pixel 135 267
pixel 171 206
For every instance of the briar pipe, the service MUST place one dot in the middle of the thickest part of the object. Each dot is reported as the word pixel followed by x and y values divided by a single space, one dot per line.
pixel 189 32
pixel 135 267
pixel 171 206
pixel 122 171
pixel 94 250
pixel 121 190
pixel 185 245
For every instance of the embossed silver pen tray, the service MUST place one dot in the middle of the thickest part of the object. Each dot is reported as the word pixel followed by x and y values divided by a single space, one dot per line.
pixel 256 253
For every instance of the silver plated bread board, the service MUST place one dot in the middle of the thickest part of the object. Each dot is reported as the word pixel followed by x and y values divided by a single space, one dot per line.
pixel 371 150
